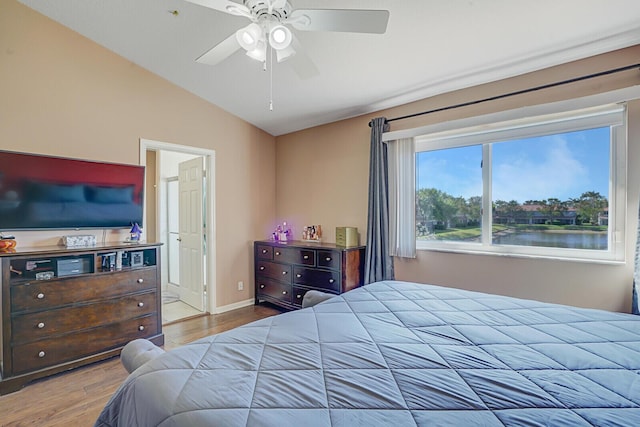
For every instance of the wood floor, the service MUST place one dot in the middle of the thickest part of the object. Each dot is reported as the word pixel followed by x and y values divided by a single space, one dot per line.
pixel 75 398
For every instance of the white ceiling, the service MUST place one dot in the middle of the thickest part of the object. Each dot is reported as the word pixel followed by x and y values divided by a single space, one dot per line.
pixel 430 47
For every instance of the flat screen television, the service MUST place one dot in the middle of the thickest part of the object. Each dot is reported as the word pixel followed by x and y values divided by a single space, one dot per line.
pixel 44 192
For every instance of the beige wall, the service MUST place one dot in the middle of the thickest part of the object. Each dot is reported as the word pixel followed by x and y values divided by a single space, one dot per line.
pixel 322 177
pixel 63 95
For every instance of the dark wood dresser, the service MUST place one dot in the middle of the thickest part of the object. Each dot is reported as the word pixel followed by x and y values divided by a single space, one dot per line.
pixel 284 272
pixel 63 308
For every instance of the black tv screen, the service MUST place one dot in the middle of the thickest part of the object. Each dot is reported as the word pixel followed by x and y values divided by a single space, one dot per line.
pixel 43 192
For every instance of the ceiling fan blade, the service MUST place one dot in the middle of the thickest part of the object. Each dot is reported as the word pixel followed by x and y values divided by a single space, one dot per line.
pixel 226 6
pixel 220 52
pixel 301 64
pixel 341 20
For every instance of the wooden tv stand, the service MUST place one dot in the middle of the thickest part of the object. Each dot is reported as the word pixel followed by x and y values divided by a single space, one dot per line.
pixel 62 308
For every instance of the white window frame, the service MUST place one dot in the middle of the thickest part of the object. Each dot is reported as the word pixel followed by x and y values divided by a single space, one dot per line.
pixel 554 122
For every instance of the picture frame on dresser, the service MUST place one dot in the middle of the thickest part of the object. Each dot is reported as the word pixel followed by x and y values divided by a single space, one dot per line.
pixel 84 310
pixel 285 272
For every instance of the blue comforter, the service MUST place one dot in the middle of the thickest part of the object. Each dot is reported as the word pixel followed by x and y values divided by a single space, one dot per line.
pixel 402 354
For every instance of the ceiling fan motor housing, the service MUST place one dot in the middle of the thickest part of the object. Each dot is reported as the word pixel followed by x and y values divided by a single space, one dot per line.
pixel 266 10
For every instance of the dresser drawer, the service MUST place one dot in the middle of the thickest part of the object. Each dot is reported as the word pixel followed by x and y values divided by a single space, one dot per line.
pixel 34 326
pixel 297 295
pixel 44 294
pixel 49 352
pixel 264 252
pixel 270 288
pixel 329 259
pixel 324 279
pixel 274 271
pixel 295 256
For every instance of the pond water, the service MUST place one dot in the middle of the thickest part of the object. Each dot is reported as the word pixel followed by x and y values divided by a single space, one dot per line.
pixel 573 240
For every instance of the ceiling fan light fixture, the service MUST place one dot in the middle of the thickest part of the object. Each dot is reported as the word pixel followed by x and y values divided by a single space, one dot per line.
pixel 280 37
pixel 259 53
pixel 249 37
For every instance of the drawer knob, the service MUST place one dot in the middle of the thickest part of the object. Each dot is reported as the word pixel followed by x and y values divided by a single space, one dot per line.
pixel 284 273
pixel 284 292
pixel 328 258
pixel 40 325
pixel 261 286
pixel 261 267
pixel 277 253
pixel 41 354
pixel 40 296
pixel 141 328
pixel 264 251
pixel 140 280
pixel 306 257
pixel 298 275
pixel 298 296
pixel 331 280
pixel 140 304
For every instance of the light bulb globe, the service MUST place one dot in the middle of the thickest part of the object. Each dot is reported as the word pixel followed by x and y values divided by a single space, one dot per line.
pixel 280 37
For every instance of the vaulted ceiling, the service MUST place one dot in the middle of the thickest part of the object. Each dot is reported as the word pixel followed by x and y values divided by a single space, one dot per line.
pixel 429 47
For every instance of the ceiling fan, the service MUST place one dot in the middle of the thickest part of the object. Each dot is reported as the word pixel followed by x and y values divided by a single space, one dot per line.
pixel 269 28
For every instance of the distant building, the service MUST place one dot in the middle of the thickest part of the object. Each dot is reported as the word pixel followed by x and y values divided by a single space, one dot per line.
pixel 603 217
pixel 533 214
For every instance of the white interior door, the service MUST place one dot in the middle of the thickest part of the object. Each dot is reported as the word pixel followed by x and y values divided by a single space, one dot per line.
pixel 190 189
pixel 173 233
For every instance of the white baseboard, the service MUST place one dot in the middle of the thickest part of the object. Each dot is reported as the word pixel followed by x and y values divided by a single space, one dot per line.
pixel 234 306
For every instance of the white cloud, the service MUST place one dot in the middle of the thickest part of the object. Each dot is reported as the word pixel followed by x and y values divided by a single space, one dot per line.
pixel 459 178
pixel 553 172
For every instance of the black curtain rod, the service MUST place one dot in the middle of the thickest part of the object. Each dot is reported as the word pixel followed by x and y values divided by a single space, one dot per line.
pixel 518 92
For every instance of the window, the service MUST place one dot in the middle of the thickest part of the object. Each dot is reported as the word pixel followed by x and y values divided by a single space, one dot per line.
pixel 551 185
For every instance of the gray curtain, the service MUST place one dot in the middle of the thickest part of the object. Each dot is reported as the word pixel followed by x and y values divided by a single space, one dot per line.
pixel 378 264
pixel 635 302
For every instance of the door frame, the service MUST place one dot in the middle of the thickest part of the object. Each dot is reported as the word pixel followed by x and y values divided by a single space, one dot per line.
pixel 210 232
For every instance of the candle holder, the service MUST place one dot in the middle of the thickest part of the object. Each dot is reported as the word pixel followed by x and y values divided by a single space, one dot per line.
pixel 135 232
pixel 282 233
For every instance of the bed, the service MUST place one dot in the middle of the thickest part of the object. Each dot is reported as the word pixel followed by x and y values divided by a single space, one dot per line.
pixel 398 353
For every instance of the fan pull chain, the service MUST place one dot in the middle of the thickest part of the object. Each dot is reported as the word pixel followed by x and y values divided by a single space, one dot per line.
pixel 270 78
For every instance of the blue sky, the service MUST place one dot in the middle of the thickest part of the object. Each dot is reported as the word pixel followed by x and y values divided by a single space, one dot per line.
pixel 562 166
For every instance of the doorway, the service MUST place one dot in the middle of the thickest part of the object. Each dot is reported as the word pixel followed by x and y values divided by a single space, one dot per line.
pixel 182 220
